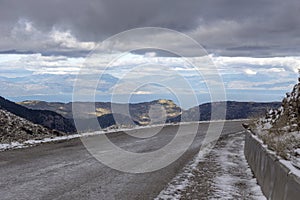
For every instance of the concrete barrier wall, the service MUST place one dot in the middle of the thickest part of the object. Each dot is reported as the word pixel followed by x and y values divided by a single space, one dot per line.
pixel 275 179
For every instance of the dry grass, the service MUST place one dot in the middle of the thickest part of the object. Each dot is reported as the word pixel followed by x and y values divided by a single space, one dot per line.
pixel 281 142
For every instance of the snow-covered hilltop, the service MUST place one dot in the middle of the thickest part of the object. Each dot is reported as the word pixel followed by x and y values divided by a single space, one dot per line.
pixel 279 129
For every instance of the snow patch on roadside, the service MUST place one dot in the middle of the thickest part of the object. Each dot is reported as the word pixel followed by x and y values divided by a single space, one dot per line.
pixel 291 167
pixel 29 143
pixel 227 184
pixel 230 183
pixel 178 184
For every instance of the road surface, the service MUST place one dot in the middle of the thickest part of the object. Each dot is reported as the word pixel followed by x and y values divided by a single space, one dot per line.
pixel 66 170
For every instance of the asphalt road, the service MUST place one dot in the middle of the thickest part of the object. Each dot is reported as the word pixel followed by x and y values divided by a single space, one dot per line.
pixel 66 170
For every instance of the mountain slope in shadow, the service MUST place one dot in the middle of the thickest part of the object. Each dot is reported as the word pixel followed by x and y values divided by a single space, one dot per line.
pixel 46 118
pixel 234 110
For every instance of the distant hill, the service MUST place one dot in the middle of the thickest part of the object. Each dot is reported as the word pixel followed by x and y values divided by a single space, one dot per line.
pixel 64 109
pixel 139 112
pixel 234 110
pixel 17 129
pixel 105 121
pixel 46 118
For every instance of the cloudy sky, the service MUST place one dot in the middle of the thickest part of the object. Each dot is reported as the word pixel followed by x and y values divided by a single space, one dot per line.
pixel 255 46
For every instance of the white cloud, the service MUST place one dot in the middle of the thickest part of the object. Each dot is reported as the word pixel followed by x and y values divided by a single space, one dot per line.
pixel 134 70
pixel 250 72
pixel 276 70
pixel 39 64
pixel 142 92
pixel 150 54
pixel 277 64
pixel 262 85
pixel 65 39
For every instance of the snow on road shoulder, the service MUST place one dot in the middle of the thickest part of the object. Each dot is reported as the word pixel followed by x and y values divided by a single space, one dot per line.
pixel 29 143
pixel 184 179
pixel 223 173
pixel 235 179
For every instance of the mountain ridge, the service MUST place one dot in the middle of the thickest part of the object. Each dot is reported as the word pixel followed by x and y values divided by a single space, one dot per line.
pixel 46 118
pixel 138 111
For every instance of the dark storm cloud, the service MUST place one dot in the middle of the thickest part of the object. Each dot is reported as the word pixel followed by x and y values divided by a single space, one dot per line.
pixel 226 27
pixel 98 19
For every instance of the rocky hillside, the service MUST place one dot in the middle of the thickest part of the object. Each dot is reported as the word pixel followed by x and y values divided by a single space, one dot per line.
pixel 49 119
pixel 17 129
pixel 287 117
pixel 279 129
pixel 140 112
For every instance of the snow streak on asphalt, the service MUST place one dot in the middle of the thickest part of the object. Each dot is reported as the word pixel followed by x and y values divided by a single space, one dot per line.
pixel 223 173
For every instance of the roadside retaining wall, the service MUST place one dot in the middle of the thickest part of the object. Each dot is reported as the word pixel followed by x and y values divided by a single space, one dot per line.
pixel 276 180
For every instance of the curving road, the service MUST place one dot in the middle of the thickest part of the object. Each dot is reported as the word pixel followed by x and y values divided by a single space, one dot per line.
pixel 66 170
